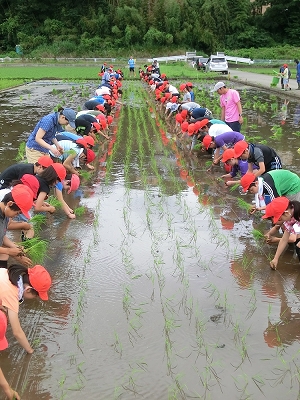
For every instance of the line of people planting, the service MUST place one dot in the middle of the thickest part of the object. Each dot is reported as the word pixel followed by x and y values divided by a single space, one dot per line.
pixel 255 168
pixel 59 145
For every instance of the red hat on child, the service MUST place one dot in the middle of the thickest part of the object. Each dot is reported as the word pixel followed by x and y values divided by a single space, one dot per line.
pixel 40 280
pixel 23 197
pixel 207 141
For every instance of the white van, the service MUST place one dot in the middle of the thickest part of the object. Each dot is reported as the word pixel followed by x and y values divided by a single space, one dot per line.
pixel 217 63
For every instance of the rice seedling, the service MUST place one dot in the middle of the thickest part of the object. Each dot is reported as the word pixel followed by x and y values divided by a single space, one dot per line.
pixel 277 132
pixel 35 249
pixel 38 220
pixel 21 152
pixel 243 204
pixel 79 211
pixel 53 201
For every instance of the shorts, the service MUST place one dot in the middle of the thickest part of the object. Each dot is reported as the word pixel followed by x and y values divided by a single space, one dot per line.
pixel 131 69
pixel 33 155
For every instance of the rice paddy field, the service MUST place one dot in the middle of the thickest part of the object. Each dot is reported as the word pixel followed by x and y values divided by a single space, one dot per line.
pixel 161 286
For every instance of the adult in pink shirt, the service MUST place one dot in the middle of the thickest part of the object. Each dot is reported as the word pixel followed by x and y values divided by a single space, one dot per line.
pixel 230 105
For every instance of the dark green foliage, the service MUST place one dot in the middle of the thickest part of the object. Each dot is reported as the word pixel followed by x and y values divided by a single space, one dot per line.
pixel 62 28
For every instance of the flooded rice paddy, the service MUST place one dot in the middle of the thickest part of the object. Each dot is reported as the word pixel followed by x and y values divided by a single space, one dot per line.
pixel 160 289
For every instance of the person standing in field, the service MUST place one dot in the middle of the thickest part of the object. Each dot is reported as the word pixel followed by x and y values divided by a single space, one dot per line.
pixel 298 73
pixel 231 107
pixel 131 64
pixel 286 76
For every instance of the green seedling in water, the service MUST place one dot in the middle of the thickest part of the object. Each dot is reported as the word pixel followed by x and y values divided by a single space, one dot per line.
pixel 297 134
pixel 244 205
pixel 21 152
pixel 258 235
pixel 35 249
pixel 37 221
pixel 52 200
pixel 197 147
pixel 79 211
pixel 84 174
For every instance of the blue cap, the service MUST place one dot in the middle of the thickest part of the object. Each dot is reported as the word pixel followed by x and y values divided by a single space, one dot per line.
pixel 70 115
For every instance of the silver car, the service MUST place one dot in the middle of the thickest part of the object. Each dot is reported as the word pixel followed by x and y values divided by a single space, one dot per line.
pixel 217 64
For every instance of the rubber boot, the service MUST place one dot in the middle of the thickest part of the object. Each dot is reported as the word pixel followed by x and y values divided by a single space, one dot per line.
pixel 298 88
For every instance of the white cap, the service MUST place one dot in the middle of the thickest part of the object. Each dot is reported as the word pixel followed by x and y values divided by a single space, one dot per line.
pixel 218 86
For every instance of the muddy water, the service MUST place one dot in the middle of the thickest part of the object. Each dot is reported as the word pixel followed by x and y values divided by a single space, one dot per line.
pixel 160 290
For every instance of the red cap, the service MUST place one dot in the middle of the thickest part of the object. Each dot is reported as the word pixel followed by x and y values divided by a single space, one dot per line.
pixel 32 182
pixel 184 126
pixel 81 141
pixel 168 95
pixel 60 171
pixel 240 147
pixel 89 140
pixel 3 327
pixel 179 118
pixel 100 107
pixel 285 65
pixel 96 126
pixel 207 141
pixel 174 99
pixel 246 180
pixel 163 75
pixel 276 208
pixel 191 129
pixel 109 119
pixel 163 99
pixel 203 122
pixel 182 87
pixel 189 84
pixel 23 197
pixel 103 123
pixel 228 155
pixel 106 96
pixel 184 113
pixel 90 156
pixel 75 182
pixel 40 280
pixel 45 161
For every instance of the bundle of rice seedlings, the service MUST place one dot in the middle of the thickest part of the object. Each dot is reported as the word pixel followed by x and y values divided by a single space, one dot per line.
pixel 79 211
pixel 52 200
pixel 21 152
pixel 35 249
pixel 37 221
pixel 243 204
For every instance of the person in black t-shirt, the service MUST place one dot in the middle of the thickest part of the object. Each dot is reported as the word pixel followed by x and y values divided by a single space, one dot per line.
pixel 16 171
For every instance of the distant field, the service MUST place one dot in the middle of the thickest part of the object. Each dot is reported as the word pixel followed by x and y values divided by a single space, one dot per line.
pixel 15 75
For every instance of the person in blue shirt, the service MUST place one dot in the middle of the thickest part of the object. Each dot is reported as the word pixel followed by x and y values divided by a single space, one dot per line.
pixel 298 73
pixel 131 64
pixel 43 136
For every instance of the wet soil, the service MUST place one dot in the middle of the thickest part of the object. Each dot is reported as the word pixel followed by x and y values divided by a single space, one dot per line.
pixel 160 290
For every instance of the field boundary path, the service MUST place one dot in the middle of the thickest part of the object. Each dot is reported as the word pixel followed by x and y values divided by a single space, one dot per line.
pixel 263 81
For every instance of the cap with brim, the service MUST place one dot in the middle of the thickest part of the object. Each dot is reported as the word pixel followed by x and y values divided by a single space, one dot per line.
pixel 23 197
pixel 239 148
pixel 90 156
pixel 218 86
pixel 74 183
pixel 207 141
pixel 202 123
pixel 276 208
pixel 70 116
pixel 45 161
pixel 3 327
pixel 100 107
pixel 82 142
pixel 89 140
pixel 227 155
pixel 32 182
pixel 60 171
pixel 40 280
pixel 246 180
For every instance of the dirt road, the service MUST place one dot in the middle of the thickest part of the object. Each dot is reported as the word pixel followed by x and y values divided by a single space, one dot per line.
pixel 263 81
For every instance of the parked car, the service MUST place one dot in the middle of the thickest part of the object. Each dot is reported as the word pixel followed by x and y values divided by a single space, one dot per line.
pixel 217 63
pixel 201 63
